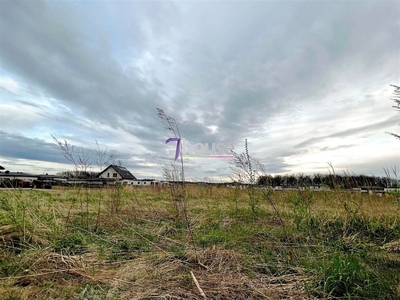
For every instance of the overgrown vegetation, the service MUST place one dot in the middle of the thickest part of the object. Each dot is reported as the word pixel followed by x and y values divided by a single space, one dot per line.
pixel 334 245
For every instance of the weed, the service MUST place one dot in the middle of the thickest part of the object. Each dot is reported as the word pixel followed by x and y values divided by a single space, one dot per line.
pixel 301 202
pixel 176 177
pixel 244 174
pixel 82 163
pixel 344 276
pixel 70 244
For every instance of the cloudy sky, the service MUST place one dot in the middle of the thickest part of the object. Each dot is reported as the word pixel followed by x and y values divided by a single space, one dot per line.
pixel 306 82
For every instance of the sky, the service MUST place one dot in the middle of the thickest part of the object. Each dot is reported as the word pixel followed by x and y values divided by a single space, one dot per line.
pixel 307 83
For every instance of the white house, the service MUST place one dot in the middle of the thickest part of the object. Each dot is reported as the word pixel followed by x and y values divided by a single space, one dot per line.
pixel 114 172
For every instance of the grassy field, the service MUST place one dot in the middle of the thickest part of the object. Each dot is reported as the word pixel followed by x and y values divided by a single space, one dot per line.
pixel 216 243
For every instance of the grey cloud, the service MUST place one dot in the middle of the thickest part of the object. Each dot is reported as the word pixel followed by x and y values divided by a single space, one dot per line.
pixel 19 146
pixel 14 146
pixel 378 126
pixel 365 130
pixel 374 167
pixel 277 166
pixel 57 58
pixel 336 147
pixel 238 65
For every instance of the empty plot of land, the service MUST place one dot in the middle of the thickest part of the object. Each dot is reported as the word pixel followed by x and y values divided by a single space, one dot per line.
pixel 202 243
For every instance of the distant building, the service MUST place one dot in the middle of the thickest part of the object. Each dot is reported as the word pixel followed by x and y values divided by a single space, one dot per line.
pixel 16 179
pixel 17 175
pixel 114 172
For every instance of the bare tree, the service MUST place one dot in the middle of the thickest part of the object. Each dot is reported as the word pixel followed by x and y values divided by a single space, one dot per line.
pixel 81 161
pixel 102 157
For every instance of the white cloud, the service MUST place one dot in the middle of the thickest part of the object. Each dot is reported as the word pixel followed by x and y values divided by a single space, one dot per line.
pixel 33 166
pixel 9 84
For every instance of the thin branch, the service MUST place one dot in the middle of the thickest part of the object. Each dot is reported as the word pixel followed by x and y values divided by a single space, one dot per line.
pixel 198 286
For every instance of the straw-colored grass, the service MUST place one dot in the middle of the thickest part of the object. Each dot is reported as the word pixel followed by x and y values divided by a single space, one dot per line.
pixel 58 244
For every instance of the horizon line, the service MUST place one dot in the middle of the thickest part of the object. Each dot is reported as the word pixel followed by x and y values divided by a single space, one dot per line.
pixel 209 156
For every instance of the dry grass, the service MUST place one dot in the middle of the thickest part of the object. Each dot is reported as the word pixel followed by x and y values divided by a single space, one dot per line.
pixel 169 278
pixel 50 248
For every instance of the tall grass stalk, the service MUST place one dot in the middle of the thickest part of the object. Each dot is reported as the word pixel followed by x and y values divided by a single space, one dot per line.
pixel 396 98
pixel 245 169
pixel 177 182
pixel 172 175
pixel 82 163
pixel 243 173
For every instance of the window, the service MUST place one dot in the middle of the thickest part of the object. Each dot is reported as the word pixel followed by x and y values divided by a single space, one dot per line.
pixel 108 174
pixel 115 175
pixel 138 182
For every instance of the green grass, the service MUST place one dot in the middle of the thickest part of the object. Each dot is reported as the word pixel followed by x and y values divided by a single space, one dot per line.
pixel 129 244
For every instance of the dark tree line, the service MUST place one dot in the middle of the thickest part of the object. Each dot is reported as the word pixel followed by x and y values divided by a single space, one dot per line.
pixel 330 180
pixel 78 174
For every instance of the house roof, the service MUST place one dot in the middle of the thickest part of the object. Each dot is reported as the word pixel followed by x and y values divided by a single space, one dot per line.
pixel 122 171
pixel 16 174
